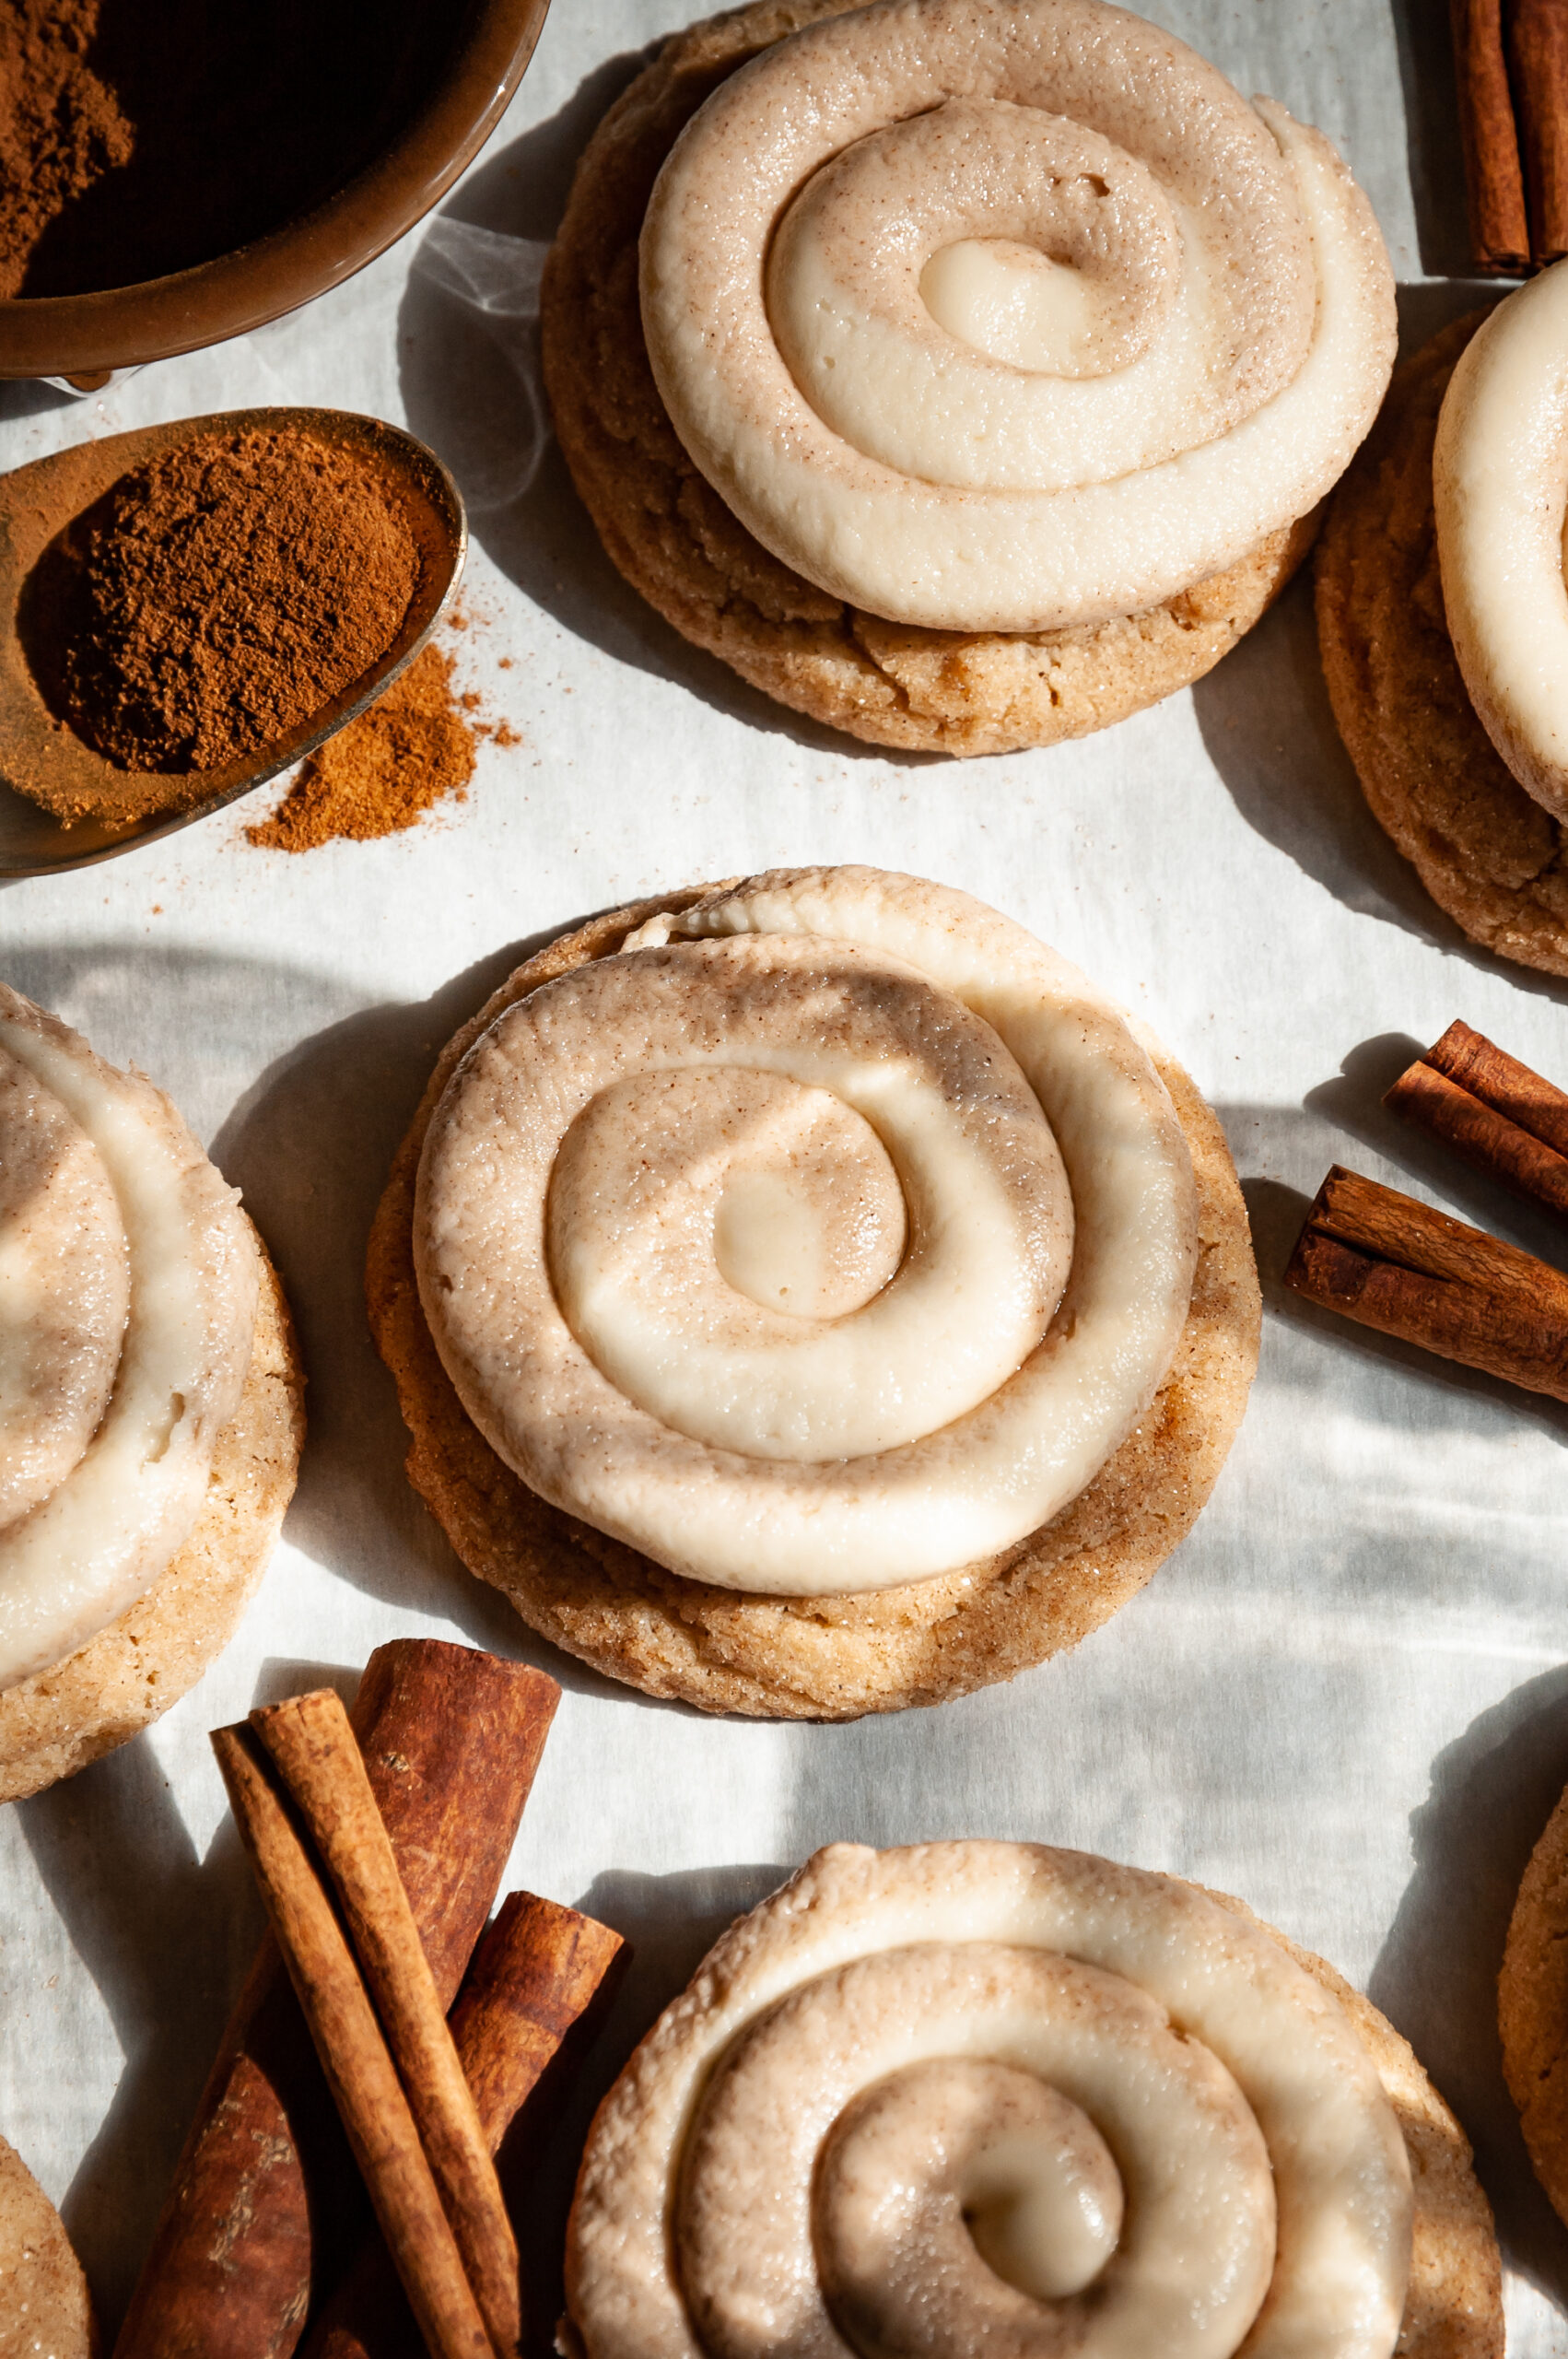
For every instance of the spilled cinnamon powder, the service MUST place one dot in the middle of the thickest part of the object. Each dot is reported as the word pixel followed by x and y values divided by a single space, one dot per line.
pixel 412 748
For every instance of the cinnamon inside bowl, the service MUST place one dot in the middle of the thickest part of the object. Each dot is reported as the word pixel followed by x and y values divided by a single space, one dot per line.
pixel 171 173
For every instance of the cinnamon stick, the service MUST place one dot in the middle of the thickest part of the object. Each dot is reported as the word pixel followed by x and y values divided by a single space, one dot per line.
pixel 451 1740
pixel 1391 1263
pixel 537 1990
pixel 540 1981
pixel 312 1745
pixel 1492 1110
pixel 1537 60
pixel 354 2056
pixel 1500 238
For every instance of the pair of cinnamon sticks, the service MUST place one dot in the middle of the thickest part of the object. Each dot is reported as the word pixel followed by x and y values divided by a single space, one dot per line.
pixel 1394 1263
pixel 366 1992
pixel 1511 59
pixel 265 2234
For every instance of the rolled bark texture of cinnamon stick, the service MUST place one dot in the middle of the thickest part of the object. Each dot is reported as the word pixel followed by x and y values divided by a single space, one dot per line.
pixel 534 1997
pixel 1492 1109
pixel 1538 62
pixel 312 1747
pixel 1500 238
pixel 451 1740
pixel 354 2055
pixel 1399 1265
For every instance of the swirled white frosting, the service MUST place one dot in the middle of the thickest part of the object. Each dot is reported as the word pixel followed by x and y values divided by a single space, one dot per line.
pixel 1500 487
pixel 1007 314
pixel 831 1235
pixel 127 1305
pixel 992 2096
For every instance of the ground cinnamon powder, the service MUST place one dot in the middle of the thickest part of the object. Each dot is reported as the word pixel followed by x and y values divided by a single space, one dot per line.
pixel 213 601
pixel 139 137
pixel 412 748
pixel 61 126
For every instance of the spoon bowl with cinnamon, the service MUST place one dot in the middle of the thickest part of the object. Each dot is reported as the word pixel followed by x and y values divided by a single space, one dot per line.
pixel 66 802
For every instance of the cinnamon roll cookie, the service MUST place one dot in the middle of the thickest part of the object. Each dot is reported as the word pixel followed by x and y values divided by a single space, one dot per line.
pixel 1532 2006
pixel 808 1296
pixel 980 2095
pixel 963 373
pixel 45 2308
pixel 1443 621
pixel 149 1403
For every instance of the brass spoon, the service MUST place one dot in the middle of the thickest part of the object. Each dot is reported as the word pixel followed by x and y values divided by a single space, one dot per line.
pixel 37 501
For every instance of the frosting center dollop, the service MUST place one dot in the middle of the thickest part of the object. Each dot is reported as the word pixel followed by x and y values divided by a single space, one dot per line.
pixel 953 2168
pixel 635 1195
pixel 1016 303
pixel 1041 2194
pixel 779 1188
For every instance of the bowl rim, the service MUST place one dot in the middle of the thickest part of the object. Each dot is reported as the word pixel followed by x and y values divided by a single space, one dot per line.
pixel 121 327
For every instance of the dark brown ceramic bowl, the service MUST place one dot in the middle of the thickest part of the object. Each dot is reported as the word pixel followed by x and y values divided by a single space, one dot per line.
pixel 86 336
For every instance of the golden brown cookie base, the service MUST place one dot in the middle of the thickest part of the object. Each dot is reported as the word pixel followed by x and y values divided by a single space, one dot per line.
pixel 1532 2008
pixel 55 1723
pixel 824 1657
pixel 677 543
pixel 45 2304
pixel 1487 854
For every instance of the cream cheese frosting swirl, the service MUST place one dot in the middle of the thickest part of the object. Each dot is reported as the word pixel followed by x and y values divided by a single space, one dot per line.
pixel 1009 314
pixel 991 2096
pixel 830 1236
pixel 1500 490
pixel 127 1304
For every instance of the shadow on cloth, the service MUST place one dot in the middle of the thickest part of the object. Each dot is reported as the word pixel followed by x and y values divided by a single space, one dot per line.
pixel 1432 136
pixel 310 1143
pixel 671 1923
pixel 167 1938
pixel 303 1092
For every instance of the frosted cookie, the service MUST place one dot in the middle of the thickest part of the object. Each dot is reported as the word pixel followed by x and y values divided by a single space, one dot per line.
pixel 45 2309
pixel 677 1268
pixel 1490 853
pixel 983 2094
pixel 961 471
pixel 1532 2006
pixel 150 1415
